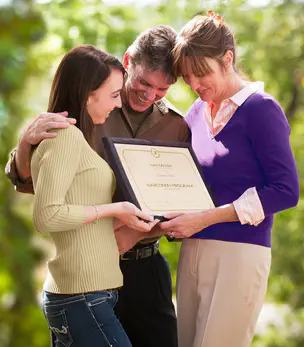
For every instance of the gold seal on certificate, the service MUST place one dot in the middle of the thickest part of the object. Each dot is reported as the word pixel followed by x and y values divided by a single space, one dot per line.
pixel 158 176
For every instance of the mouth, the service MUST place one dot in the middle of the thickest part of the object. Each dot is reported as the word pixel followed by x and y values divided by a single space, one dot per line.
pixel 143 101
pixel 202 91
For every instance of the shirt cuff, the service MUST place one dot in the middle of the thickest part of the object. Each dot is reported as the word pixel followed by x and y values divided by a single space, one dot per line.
pixel 249 207
pixel 12 172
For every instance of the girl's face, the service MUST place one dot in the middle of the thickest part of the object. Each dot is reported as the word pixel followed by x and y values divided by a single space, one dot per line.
pixel 106 98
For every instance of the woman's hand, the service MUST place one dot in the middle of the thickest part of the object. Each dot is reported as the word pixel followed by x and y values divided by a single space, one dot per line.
pixel 129 215
pixel 184 225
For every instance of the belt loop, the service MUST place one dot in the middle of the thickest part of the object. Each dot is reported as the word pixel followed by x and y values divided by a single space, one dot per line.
pixel 137 254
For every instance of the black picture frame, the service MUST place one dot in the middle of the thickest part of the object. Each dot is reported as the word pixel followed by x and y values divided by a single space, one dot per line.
pixel 119 171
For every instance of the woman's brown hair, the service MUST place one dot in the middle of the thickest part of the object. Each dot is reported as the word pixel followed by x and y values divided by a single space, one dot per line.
pixel 81 71
pixel 202 37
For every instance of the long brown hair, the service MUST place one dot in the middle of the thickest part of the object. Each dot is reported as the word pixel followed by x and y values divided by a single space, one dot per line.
pixel 202 37
pixel 81 71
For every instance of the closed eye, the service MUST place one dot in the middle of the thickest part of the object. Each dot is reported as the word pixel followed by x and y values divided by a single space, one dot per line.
pixel 163 89
pixel 145 83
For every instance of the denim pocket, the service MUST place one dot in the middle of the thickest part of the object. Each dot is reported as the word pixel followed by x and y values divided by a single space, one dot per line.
pixel 58 324
pixel 97 298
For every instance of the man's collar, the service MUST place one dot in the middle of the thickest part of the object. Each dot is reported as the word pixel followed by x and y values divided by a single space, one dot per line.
pixel 165 106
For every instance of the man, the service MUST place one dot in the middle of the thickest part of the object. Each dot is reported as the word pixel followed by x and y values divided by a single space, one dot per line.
pixel 145 305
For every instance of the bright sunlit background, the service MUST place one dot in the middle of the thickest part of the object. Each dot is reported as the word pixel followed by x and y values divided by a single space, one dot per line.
pixel 33 37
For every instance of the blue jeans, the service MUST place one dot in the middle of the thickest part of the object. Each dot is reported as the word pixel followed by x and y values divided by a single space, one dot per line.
pixel 84 320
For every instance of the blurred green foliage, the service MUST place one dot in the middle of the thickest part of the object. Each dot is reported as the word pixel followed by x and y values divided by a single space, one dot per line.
pixel 35 34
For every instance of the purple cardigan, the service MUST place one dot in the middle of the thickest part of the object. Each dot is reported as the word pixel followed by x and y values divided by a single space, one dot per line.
pixel 252 150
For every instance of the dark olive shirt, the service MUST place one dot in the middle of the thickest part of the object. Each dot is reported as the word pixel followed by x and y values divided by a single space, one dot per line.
pixel 164 123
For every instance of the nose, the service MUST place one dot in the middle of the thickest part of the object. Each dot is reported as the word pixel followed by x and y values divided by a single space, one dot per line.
pixel 149 94
pixel 193 83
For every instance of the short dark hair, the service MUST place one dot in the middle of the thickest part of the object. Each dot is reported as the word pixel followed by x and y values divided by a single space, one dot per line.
pixel 81 71
pixel 202 37
pixel 152 48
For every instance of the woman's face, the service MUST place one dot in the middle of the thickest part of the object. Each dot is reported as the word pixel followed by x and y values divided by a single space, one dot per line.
pixel 107 97
pixel 211 87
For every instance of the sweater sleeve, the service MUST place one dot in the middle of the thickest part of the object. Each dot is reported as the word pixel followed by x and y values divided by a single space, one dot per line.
pixel 57 165
pixel 21 185
pixel 269 132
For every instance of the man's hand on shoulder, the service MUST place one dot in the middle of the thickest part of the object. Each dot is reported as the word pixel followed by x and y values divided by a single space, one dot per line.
pixel 33 134
pixel 38 129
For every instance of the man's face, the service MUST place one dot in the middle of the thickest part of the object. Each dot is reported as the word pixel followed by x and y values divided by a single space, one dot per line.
pixel 145 87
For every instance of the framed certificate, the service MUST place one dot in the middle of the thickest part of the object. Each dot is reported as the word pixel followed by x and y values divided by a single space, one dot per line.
pixel 158 176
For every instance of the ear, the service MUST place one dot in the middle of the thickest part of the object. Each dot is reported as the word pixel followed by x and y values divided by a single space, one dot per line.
pixel 228 59
pixel 126 60
pixel 89 100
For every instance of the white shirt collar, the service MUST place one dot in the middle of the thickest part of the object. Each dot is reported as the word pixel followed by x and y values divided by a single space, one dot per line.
pixel 241 96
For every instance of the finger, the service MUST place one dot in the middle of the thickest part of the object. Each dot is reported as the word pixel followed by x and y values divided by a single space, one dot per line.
pixel 44 115
pixel 166 225
pixel 156 221
pixel 55 125
pixel 59 118
pixel 144 215
pixel 152 224
pixel 142 226
pixel 64 113
pixel 177 234
pixel 46 135
pixel 173 215
pixel 71 120
pixel 56 117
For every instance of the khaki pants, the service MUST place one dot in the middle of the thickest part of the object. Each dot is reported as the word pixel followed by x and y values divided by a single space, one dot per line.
pixel 221 287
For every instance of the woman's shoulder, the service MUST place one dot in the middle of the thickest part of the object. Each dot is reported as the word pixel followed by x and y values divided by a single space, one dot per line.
pixel 64 134
pixel 195 110
pixel 70 131
pixel 262 110
pixel 262 101
pixel 70 136
pixel 198 104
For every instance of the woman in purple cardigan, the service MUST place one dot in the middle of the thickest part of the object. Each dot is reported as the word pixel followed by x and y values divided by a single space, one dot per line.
pixel 241 138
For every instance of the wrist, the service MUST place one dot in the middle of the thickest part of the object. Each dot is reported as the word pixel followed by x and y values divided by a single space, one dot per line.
pixel 222 214
pixel 96 212
pixel 209 217
pixel 24 144
pixel 22 159
pixel 114 209
pixel 117 209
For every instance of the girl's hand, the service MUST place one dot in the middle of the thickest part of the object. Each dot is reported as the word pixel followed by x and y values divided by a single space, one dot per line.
pixel 134 218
